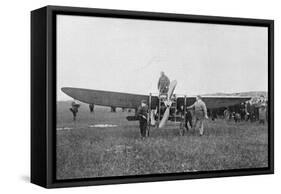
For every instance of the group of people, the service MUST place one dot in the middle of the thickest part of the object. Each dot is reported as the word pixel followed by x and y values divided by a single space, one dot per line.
pixel 199 107
pixel 253 110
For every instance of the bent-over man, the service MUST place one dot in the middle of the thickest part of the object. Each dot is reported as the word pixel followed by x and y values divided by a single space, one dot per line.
pixel 142 114
pixel 200 113
pixel 74 109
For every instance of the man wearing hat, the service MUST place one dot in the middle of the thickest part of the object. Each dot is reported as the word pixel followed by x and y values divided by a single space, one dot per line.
pixel 200 113
pixel 142 114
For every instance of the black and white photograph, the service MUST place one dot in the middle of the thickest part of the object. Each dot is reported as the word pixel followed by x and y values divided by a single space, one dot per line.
pixel 140 97
pixel 147 97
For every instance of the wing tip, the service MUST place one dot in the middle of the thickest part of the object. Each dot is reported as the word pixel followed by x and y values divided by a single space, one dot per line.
pixel 66 90
pixel 63 89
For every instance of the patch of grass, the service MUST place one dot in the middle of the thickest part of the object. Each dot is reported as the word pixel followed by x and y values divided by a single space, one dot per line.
pixel 99 152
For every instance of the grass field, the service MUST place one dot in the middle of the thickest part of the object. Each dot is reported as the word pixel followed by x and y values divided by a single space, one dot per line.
pixel 84 150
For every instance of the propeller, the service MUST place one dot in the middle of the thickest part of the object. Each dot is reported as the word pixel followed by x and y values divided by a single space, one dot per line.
pixel 168 103
pixel 152 118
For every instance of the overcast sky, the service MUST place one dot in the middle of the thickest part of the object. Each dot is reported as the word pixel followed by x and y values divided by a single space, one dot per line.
pixel 127 55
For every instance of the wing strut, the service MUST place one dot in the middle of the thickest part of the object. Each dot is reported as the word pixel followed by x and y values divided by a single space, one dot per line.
pixel 149 115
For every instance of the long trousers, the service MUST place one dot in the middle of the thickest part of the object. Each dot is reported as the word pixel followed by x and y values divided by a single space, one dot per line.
pixel 188 119
pixel 201 125
pixel 143 127
pixel 74 112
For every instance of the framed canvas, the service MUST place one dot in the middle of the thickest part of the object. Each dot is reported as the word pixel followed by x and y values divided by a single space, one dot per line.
pixel 126 96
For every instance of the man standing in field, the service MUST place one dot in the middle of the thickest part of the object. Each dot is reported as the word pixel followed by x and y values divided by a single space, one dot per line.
pixel 262 113
pixel 163 84
pixel 200 113
pixel 142 114
pixel 262 109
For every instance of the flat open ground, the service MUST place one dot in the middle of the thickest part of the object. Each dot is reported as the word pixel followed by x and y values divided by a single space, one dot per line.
pixel 85 150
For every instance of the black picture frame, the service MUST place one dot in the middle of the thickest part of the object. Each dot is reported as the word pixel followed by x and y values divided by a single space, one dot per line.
pixel 43 95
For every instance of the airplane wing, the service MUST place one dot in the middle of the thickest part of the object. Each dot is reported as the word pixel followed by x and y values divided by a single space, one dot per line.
pixel 126 100
pixel 107 98
pixel 213 102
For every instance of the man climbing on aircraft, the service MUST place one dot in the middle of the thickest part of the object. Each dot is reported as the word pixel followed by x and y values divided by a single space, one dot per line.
pixel 200 113
pixel 142 114
pixel 163 84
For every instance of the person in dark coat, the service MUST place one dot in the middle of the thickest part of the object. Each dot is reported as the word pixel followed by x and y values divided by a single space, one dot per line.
pixel 91 107
pixel 163 84
pixel 187 117
pixel 74 109
pixel 143 114
pixel 113 109
pixel 242 111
